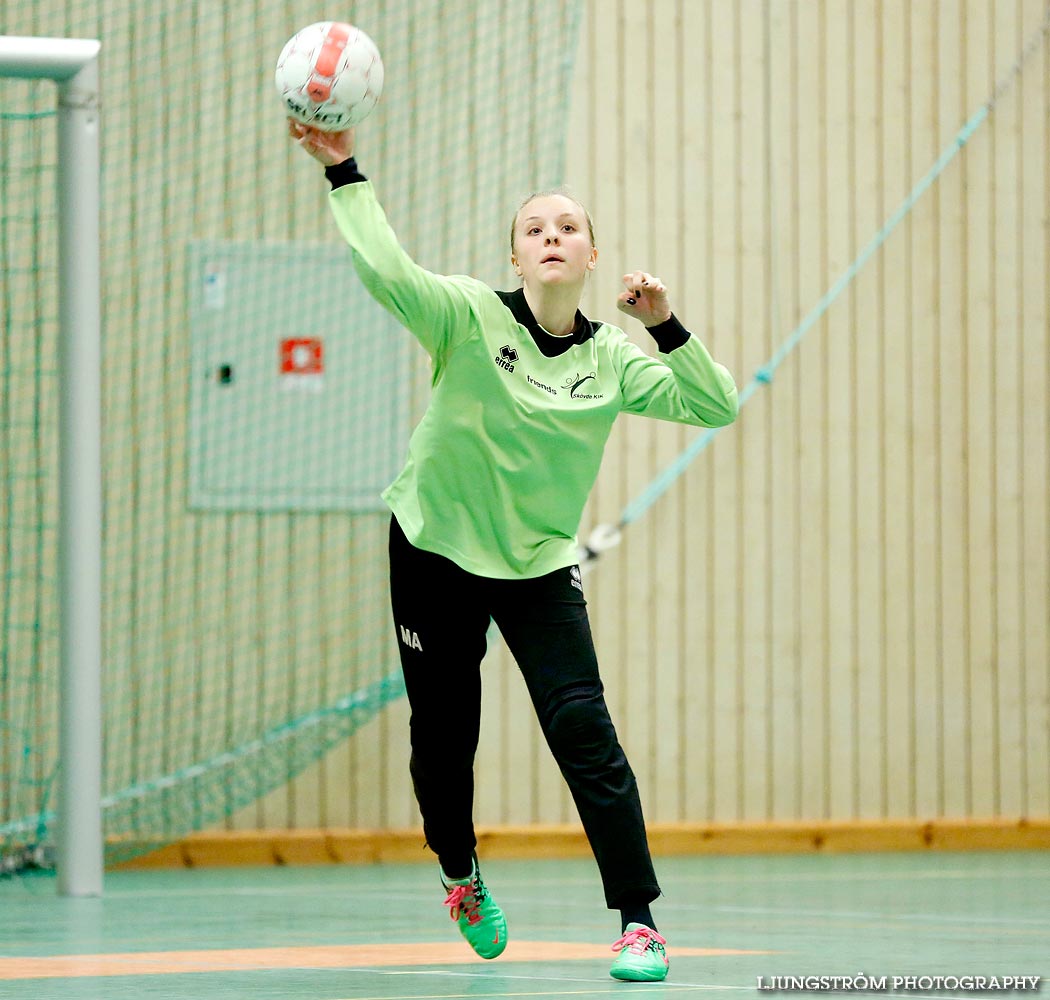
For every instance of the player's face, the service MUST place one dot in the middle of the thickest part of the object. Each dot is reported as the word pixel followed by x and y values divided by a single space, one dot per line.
pixel 552 242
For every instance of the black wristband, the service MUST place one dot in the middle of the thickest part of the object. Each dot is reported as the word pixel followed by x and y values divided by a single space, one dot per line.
pixel 341 174
pixel 669 334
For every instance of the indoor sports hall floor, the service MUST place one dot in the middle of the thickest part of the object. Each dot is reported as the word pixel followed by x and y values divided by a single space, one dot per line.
pixel 362 932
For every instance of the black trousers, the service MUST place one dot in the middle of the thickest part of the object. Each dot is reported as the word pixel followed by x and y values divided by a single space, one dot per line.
pixel 441 616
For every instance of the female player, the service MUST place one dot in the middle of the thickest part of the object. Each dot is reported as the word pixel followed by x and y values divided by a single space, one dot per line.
pixel 485 515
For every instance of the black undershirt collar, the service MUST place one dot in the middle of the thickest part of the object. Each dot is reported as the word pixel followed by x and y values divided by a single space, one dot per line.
pixel 549 345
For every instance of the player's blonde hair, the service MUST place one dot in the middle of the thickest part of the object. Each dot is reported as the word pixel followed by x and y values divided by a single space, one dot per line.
pixel 563 192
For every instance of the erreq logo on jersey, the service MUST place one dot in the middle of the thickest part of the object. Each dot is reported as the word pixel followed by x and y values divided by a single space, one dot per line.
pixel 506 357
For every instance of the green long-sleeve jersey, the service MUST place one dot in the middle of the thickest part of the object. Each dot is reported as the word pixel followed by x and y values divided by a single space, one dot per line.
pixel 502 462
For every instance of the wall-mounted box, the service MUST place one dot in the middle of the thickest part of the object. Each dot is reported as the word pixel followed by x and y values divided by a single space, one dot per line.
pixel 299 380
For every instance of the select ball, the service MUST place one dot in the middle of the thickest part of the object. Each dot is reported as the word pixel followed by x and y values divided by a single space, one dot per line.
pixel 329 75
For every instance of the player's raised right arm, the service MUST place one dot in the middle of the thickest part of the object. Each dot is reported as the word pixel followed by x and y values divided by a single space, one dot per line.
pixel 435 308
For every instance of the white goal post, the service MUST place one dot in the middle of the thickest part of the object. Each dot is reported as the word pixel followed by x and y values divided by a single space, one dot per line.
pixel 73 65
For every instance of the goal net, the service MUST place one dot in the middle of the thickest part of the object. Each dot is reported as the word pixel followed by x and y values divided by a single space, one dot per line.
pixel 253 400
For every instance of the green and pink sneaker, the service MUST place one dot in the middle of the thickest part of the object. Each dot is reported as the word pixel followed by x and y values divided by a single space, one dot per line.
pixel 480 920
pixel 642 956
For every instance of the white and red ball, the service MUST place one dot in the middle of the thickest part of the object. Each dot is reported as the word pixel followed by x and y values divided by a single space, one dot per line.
pixel 329 75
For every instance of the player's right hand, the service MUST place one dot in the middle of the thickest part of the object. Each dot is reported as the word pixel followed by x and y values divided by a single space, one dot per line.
pixel 328 148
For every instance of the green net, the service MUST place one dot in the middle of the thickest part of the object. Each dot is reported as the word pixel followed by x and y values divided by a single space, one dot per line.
pixel 28 460
pixel 245 622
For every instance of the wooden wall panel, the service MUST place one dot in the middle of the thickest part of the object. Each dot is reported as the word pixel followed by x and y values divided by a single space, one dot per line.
pixel 1035 418
pixel 923 144
pixel 695 697
pixel 1007 724
pixel 949 456
pixel 840 349
pixel 886 458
